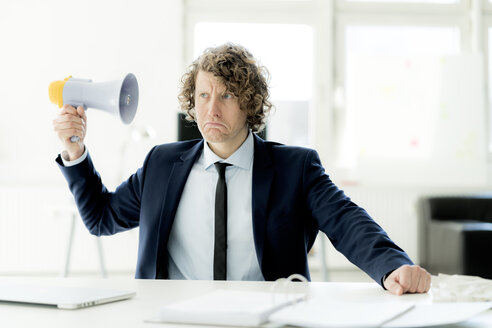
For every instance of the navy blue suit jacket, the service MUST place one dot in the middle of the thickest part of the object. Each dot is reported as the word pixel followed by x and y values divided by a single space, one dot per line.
pixel 293 198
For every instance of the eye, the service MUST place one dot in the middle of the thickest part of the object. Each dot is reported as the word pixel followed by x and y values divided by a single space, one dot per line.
pixel 227 96
pixel 203 95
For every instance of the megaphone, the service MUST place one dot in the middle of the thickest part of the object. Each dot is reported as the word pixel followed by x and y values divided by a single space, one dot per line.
pixel 119 98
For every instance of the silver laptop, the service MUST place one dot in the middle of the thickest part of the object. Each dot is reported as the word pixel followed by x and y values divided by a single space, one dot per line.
pixel 62 297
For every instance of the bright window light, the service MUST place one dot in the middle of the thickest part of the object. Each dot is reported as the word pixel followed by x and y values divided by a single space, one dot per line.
pixel 410 1
pixel 392 90
pixel 402 40
pixel 286 50
pixel 490 81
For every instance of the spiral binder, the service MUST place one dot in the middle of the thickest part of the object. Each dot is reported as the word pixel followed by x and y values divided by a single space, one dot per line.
pixel 286 286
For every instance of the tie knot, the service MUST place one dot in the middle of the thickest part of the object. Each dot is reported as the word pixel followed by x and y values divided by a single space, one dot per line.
pixel 221 167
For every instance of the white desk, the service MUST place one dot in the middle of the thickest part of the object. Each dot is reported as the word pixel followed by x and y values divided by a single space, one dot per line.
pixel 151 294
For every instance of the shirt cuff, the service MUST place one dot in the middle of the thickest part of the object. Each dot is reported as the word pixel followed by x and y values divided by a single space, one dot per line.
pixel 68 163
pixel 384 278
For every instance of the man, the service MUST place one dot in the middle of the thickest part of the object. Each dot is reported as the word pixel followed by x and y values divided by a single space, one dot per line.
pixel 278 197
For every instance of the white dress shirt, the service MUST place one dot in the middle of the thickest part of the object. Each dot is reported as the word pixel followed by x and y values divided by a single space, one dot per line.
pixel 191 243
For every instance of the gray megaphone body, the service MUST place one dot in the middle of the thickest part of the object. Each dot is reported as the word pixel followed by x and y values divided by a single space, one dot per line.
pixel 119 98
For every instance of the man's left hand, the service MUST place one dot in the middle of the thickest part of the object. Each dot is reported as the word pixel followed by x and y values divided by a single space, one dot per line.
pixel 408 279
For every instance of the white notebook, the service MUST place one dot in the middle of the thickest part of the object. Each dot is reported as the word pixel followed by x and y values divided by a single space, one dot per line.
pixel 250 309
pixel 226 307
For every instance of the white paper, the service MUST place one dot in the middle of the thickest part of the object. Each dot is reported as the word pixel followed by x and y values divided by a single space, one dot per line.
pixel 459 288
pixel 435 314
pixel 319 313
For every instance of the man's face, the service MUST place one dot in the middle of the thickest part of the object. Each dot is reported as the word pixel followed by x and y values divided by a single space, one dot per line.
pixel 219 118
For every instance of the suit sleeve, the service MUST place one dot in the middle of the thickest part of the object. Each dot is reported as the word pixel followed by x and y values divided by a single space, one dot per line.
pixel 349 227
pixel 104 212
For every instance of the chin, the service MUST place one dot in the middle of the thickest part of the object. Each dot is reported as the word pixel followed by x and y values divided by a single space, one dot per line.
pixel 215 139
pixel 214 136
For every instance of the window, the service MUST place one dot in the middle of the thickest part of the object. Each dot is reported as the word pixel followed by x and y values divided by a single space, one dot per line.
pixel 379 92
pixel 391 83
pixel 397 97
pixel 409 1
pixel 489 60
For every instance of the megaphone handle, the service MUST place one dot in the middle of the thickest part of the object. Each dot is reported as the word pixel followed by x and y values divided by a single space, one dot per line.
pixel 76 138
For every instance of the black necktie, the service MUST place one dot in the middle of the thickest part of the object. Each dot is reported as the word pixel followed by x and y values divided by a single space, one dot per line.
pixel 220 246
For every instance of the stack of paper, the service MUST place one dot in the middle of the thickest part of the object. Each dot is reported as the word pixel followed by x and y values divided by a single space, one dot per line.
pixel 459 288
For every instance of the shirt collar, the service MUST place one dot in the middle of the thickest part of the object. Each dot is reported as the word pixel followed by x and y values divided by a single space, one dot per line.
pixel 242 157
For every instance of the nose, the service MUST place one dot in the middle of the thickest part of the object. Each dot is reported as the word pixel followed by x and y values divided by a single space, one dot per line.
pixel 214 106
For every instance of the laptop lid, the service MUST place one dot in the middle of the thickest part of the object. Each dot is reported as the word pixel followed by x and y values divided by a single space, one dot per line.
pixel 60 296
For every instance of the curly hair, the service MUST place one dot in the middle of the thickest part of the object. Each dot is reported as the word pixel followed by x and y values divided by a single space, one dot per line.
pixel 241 74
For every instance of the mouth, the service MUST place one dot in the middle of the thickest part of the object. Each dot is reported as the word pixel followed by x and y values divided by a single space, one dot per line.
pixel 214 125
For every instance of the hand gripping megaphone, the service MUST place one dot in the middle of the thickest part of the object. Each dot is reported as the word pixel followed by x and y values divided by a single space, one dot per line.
pixel 119 97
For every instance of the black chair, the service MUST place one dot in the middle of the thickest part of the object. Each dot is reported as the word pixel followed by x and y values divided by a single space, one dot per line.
pixel 457 234
pixel 188 130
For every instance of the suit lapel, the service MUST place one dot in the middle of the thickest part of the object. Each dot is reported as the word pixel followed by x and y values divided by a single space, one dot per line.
pixel 262 182
pixel 172 195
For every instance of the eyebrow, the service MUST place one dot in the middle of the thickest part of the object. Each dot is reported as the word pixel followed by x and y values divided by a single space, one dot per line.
pixel 206 90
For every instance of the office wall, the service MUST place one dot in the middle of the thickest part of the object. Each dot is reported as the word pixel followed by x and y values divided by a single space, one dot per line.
pixel 43 41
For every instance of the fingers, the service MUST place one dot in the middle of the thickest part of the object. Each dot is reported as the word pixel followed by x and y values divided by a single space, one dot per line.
pixel 65 135
pixel 68 129
pixel 408 279
pixel 405 279
pixel 393 287
pixel 68 109
pixel 425 283
pixel 414 279
pixel 70 122
pixel 81 113
pixel 69 118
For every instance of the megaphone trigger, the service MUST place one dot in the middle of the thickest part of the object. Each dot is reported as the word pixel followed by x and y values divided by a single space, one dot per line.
pixel 119 98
